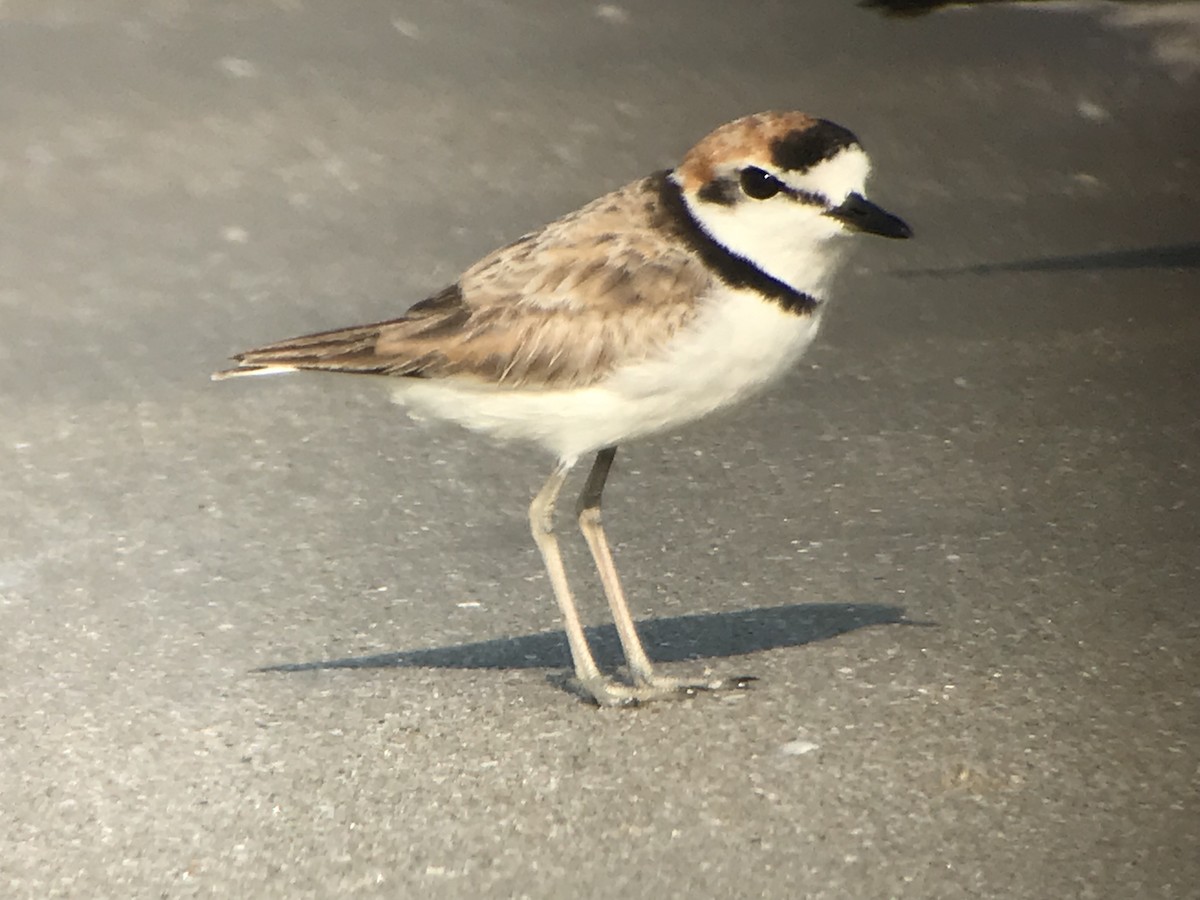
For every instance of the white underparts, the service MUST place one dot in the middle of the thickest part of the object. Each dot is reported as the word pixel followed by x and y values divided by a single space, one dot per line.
pixel 737 345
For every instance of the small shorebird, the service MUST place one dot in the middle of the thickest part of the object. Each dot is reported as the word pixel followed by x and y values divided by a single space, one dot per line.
pixel 650 307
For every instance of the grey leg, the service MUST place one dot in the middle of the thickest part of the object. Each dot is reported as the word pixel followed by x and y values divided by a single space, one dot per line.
pixel 647 684
pixel 588 510
pixel 541 522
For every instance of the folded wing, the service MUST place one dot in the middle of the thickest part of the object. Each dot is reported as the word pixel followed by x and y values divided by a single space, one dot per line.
pixel 560 307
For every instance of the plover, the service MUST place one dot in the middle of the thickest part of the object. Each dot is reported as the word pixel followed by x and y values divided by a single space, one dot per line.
pixel 669 298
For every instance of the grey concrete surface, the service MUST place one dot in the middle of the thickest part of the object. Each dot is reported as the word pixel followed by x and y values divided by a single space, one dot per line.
pixel 273 640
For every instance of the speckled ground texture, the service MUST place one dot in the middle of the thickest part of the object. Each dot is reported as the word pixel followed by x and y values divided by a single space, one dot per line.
pixel 273 640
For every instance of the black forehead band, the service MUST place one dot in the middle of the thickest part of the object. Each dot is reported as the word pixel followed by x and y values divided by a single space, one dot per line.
pixel 799 151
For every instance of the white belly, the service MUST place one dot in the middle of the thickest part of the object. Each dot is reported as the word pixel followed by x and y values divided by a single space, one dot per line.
pixel 738 345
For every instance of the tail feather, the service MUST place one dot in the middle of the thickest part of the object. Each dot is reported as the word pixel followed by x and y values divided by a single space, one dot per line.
pixel 239 371
pixel 409 344
pixel 343 350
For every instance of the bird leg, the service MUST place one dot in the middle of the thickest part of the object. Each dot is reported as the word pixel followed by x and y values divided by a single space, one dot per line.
pixel 541 523
pixel 647 685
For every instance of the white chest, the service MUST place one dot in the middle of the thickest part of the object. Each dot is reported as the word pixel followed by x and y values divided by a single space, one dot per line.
pixel 737 345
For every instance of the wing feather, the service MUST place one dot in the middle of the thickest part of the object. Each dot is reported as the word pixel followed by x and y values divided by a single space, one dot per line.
pixel 560 307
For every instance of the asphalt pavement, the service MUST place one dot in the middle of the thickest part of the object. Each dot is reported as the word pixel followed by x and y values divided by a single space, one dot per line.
pixel 271 639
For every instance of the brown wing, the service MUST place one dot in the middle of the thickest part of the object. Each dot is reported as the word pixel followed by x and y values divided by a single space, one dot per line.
pixel 560 307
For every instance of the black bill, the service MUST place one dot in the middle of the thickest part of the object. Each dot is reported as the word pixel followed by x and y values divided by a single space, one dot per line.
pixel 859 214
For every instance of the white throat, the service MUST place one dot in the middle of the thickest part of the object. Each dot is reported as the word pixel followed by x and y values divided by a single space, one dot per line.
pixel 788 239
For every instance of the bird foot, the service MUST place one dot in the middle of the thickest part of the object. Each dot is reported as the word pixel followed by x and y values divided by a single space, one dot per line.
pixel 607 692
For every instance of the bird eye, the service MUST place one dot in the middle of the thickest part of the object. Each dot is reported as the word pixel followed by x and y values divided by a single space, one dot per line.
pixel 759 184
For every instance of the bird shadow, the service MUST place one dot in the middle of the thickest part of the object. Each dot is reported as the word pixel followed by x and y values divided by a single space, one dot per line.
pixel 674 639
pixel 1168 256
pixel 910 9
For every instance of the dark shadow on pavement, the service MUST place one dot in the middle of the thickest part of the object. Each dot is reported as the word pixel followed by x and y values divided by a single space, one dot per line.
pixel 910 9
pixel 702 636
pixel 1171 256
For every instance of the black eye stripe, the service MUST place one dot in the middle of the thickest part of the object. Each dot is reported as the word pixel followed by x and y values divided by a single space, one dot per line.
pixel 725 190
pixel 812 198
pixel 762 185
pixel 721 191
